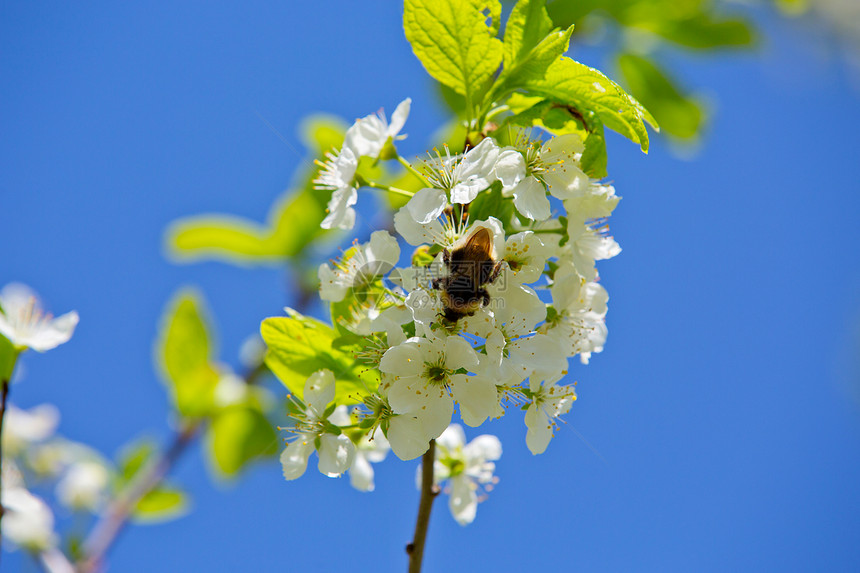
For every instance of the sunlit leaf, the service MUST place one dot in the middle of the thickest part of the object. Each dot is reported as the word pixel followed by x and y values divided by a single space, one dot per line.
pixel 703 32
pixel 185 355
pixel 454 42
pixel 293 221
pixel 133 458
pixel 298 346
pixel 680 115
pixel 161 504
pixel 8 357
pixel 586 89
pixel 237 435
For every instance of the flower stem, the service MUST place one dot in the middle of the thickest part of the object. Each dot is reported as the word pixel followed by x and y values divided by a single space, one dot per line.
pixel 409 167
pixel 429 491
pixel 388 188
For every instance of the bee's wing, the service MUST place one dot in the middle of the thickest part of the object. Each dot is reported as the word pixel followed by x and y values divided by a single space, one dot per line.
pixel 477 253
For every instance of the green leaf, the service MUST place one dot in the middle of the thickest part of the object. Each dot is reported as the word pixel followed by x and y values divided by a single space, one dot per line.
pixel 572 83
pixel 133 458
pixel 185 355
pixel 8 358
pixel 237 435
pixel 594 158
pixel 703 32
pixel 680 115
pixel 161 504
pixel 526 27
pixel 452 40
pixel 292 224
pixel 531 47
pixel 299 346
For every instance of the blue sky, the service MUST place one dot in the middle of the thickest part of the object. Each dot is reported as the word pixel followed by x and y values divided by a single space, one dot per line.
pixel 720 428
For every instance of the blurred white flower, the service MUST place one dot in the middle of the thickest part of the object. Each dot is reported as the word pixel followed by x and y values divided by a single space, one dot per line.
pixel 22 428
pixel 27 520
pixel 468 468
pixel 84 486
pixel 24 323
pixel 367 451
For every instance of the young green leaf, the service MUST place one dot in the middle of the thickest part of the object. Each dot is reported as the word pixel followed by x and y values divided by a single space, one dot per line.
pixel 526 27
pixel 454 42
pixel 161 504
pixel 238 435
pixel 572 83
pixel 8 357
pixel 133 458
pixel 292 223
pixel 680 115
pixel 299 346
pixel 185 355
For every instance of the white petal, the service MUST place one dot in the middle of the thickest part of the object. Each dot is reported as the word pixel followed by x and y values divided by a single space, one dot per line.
pixel 474 173
pixel 341 214
pixel 463 502
pixel 407 394
pixel 361 474
pixel 476 396
pixel 539 429
pixel 294 458
pixel 510 168
pixel 530 199
pixel 336 454
pixel 403 360
pixel 459 354
pixel 398 118
pixel 331 287
pixel 319 390
pixel 427 204
pixel 407 437
pixel 414 232
pixel 366 137
pixel 452 439
pixel 484 447
pixel 383 248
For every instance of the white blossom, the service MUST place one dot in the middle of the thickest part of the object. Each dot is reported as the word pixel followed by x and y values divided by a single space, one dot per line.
pixel 467 468
pixel 23 428
pixel 359 266
pixel 368 135
pixel 338 176
pixel 25 324
pixel 424 377
pixel 336 452
pixel 27 520
pixel 549 401
pixel 371 449
pixel 84 486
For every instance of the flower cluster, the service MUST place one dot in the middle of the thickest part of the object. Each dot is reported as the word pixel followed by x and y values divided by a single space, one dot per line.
pixel 500 291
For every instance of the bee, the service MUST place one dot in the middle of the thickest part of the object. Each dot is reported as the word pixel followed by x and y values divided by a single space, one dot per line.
pixel 470 267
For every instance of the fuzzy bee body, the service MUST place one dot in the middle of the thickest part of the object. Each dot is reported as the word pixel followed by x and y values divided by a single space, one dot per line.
pixel 470 267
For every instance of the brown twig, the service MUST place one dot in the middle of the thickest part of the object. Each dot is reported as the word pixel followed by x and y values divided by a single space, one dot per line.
pixel 116 517
pixel 429 491
pixel 4 395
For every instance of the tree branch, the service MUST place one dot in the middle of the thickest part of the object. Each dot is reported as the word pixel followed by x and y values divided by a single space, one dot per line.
pixel 429 491
pixel 115 518
pixel 4 395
